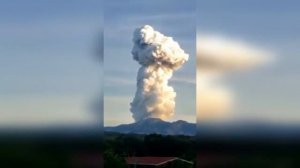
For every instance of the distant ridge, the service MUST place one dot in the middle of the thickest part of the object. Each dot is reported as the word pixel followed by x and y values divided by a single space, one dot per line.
pixel 155 125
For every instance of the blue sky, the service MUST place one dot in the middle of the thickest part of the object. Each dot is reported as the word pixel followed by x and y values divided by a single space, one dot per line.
pixel 172 18
pixel 50 74
pixel 271 93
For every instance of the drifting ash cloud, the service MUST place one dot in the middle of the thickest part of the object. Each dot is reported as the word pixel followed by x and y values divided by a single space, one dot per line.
pixel 159 56
pixel 223 54
pixel 216 57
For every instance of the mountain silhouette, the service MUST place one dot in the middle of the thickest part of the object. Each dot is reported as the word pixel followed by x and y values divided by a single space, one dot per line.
pixel 155 126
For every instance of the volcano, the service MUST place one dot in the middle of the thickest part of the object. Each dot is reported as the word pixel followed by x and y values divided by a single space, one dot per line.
pixel 155 126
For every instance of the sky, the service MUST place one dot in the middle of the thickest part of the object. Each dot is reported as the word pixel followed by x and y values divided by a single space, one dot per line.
pixel 50 73
pixel 270 93
pixel 172 18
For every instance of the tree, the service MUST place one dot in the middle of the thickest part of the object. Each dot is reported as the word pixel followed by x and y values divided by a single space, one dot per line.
pixel 112 160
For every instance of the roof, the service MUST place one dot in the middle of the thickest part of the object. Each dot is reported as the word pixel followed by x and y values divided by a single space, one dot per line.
pixel 153 161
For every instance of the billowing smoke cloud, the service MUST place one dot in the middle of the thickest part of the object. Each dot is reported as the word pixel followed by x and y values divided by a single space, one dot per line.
pixel 158 56
pixel 216 57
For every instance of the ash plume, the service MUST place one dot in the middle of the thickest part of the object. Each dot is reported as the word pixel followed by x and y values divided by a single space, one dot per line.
pixel 159 56
pixel 216 58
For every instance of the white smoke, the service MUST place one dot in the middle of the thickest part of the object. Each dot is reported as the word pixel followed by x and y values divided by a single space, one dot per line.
pixel 158 56
pixel 224 54
pixel 216 57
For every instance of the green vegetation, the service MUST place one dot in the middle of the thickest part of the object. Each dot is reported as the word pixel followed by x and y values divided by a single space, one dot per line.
pixel 118 146
pixel 113 160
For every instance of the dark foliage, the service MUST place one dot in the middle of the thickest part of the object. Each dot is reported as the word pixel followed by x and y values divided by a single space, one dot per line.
pixel 124 145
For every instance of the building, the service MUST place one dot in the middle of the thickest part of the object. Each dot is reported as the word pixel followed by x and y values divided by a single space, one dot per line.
pixel 157 162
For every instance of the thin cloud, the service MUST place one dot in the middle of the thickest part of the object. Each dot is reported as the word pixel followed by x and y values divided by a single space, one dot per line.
pixel 185 80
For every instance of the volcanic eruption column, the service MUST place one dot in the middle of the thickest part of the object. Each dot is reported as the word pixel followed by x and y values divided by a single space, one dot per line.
pixel 158 56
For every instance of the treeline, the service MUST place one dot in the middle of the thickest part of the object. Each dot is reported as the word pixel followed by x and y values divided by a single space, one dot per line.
pixel 117 146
